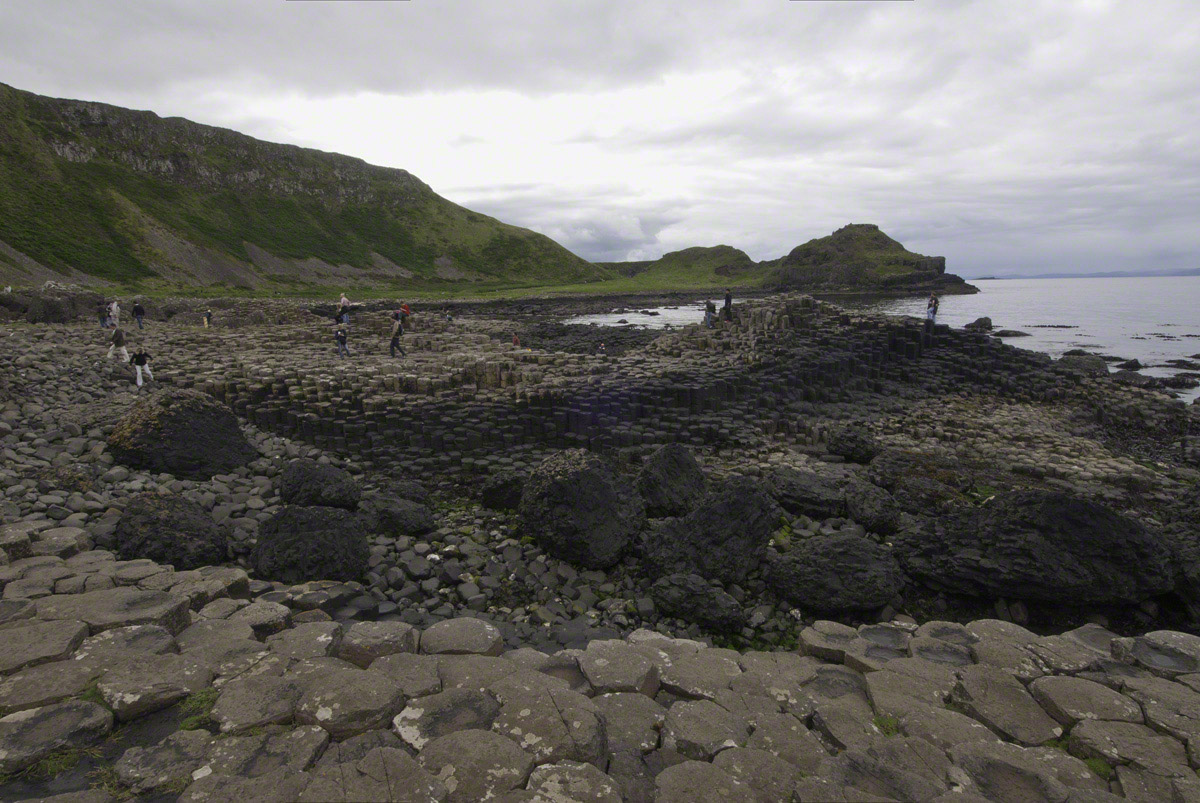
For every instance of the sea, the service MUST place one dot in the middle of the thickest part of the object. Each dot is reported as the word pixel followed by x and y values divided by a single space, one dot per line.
pixel 1153 319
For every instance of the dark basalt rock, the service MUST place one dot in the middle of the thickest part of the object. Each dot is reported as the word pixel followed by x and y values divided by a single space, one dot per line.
pixel 299 544
pixel 871 506
pixel 169 529
pixel 385 515
pixel 805 493
pixel 306 482
pixel 694 599
pixel 1039 545
pixel 1084 364
pixel 853 444
pixel 832 573
pixel 502 490
pixel 182 432
pixel 979 325
pixel 578 511
pixel 722 539
pixel 670 481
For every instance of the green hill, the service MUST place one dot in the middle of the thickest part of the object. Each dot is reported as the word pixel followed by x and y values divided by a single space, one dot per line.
pixel 91 192
pixel 696 267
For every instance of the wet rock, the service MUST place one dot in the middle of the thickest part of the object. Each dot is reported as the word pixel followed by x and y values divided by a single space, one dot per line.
pixel 182 432
pixel 722 539
pixel 149 683
pixel 670 481
pixel 694 599
pixel 307 483
pixel 299 544
pixel 27 737
pixel 169 529
pixel 836 573
pixel 145 770
pixel 578 511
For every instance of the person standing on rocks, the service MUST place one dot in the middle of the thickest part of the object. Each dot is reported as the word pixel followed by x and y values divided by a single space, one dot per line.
pixel 114 314
pixel 405 313
pixel 727 311
pixel 117 345
pixel 931 311
pixel 102 312
pixel 139 312
pixel 340 337
pixel 344 310
pixel 397 333
pixel 141 362
pixel 207 318
pixel 710 311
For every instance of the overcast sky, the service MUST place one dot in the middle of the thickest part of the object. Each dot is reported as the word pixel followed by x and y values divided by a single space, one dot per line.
pixel 1012 136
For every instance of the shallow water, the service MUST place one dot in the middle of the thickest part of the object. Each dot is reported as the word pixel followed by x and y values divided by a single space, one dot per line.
pixel 1154 319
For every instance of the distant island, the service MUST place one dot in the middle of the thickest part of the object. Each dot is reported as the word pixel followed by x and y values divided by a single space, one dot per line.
pixel 1115 274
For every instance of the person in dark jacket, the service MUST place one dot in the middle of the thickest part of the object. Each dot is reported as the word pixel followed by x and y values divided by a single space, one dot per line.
pixel 117 345
pixel 397 333
pixel 141 362
pixel 727 311
pixel 340 337
pixel 139 312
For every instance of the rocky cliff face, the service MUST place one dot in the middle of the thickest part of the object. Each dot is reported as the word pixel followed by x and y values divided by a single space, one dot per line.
pixel 95 192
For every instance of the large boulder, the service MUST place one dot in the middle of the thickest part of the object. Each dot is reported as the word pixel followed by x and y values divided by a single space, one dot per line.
pixel 853 443
pixel 182 432
pixel 394 516
pixel 502 490
pixel 671 481
pixel 299 544
pixel 833 573
pixel 1039 545
pixel 694 599
pixel 722 539
pixel 578 511
pixel 806 493
pixel 1082 364
pixel 169 529
pixel 306 482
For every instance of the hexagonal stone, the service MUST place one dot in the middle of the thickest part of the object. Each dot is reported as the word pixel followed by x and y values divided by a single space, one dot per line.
pixel 1166 653
pixel 701 676
pixel 944 728
pixel 574 781
pixel 552 723
pixel 462 636
pixel 309 640
pixel 365 642
pixel 1015 659
pixel 951 632
pixel 904 768
pixel 254 702
pixel 264 618
pixel 39 643
pixel 260 754
pixel 823 790
pixel 27 737
pixel 428 718
pixel 785 736
pixel 998 700
pixel 121 641
pixel 1149 786
pixel 844 724
pixel 281 786
pixel 614 666
pixel 827 640
pixel 1008 772
pixel 382 774
pixel 1070 700
pixel 633 721
pixel 701 729
pixel 16 610
pixel 769 776
pixel 118 607
pixel 1063 655
pixel 1169 707
pixel 343 699
pixel 415 675
pixel 896 693
pixel 62 542
pixel 938 651
pixel 44 684
pixel 694 781
pixel 476 764
pixel 146 770
pixel 1128 743
pixel 135 687
pixel 207 631
pixel 472 671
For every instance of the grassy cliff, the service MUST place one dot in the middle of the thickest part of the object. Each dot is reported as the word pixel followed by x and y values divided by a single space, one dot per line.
pixel 91 191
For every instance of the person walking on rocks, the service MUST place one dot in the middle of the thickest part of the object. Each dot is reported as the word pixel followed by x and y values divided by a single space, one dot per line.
pixel 114 314
pixel 344 310
pixel 102 312
pixel 207 318
pixel 141 362
pixel 727 311
pixel 710 311
pixel 931 311
pixel 340 337
pixel 397 333
pixel 117 345
pixel 405 313
pixel 139 312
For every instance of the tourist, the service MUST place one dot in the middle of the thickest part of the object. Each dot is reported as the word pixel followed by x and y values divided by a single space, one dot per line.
pixel 117 345
pixel 344 310
pixel 102 312
pixel 114 314
pixel 516 341
pixel 397 333
pixel 931 310
pixel 727 312
pixel 601 350
pixel 405 313
pixel 139 312
pixel 710 311
pixel 141 362
pixel 340 337
pixel 207 318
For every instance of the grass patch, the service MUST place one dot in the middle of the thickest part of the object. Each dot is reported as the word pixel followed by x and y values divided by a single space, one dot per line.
pixel 1058 744
pixel 888 725
pixel 1101 768
pixel 92 695
pixel 197 709
pixel 104 779
pixel 52 765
